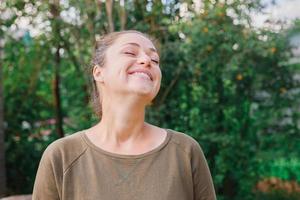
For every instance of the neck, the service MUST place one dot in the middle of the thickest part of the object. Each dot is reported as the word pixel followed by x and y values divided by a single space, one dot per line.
pixel 122 120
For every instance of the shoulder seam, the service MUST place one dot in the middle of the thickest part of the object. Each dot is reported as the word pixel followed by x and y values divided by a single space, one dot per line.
pixel 72 163
pixel 182 149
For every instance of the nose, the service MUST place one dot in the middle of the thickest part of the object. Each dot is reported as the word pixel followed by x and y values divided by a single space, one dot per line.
pixel 144 60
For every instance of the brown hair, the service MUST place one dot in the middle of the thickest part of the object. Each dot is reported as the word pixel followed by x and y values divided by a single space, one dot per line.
pixel 99 60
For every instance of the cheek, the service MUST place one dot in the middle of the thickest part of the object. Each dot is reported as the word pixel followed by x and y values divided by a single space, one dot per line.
pixel 116 67
pixel 123 64
pixel 158 82
pixel 159 74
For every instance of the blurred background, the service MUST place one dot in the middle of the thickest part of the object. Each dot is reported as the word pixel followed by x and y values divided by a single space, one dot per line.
pixel 231 80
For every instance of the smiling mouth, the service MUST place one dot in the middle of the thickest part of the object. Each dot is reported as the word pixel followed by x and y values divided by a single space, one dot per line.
pixel 142 74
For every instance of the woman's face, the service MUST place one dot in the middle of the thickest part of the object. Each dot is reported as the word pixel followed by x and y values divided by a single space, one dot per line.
pixel 131 67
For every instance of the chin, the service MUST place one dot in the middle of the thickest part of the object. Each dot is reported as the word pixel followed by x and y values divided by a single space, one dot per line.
pixel 143 91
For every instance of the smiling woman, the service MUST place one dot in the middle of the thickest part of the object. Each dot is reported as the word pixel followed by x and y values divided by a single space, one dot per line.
pixel 123 157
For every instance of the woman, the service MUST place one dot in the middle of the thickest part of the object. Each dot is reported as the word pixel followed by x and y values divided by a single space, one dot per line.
pixel 123 157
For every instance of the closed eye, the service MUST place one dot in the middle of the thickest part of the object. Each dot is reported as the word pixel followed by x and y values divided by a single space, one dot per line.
pixel 156 61
pixel 129 53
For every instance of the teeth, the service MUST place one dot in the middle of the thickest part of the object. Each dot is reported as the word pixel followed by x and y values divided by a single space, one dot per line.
pixel 142 74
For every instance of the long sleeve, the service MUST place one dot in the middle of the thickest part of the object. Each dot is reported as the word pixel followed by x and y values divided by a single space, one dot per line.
pixel 203 184
pixel 46 186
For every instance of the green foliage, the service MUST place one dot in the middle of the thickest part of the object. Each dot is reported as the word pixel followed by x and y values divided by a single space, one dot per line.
pixel 23 153
pixel 284 168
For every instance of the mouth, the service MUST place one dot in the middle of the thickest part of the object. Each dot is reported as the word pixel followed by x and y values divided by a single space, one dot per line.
pixel 142 73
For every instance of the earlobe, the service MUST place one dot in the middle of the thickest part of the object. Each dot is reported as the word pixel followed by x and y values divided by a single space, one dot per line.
pixel 97 73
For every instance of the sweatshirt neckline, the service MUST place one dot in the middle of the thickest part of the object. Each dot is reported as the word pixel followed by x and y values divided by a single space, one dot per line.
pixel 124 156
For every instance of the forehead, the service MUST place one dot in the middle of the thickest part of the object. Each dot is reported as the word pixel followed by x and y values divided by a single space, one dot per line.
pixel 137 38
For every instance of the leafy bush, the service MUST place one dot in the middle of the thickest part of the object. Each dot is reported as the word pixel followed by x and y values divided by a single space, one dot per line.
pixel 284 168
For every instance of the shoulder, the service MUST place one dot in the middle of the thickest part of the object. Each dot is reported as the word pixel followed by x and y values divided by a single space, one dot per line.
pixel 65 151
pixel 185 142
pixel 191 148
pixel 69 141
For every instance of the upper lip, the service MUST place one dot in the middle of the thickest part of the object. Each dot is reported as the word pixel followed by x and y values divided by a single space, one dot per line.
pixel 142 71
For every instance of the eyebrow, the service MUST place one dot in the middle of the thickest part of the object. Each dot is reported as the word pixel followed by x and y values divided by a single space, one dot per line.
pixel 135 44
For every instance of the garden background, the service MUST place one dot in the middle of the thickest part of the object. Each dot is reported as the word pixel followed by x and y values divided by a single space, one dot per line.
pixel 232 86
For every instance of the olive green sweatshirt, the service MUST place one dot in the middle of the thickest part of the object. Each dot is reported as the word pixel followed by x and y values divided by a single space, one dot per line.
pixel 74 168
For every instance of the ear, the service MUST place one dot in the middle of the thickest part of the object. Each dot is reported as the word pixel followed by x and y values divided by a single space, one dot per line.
pixel 98 73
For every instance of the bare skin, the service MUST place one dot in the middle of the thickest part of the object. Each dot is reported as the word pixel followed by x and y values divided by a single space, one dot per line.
pixel 125 94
